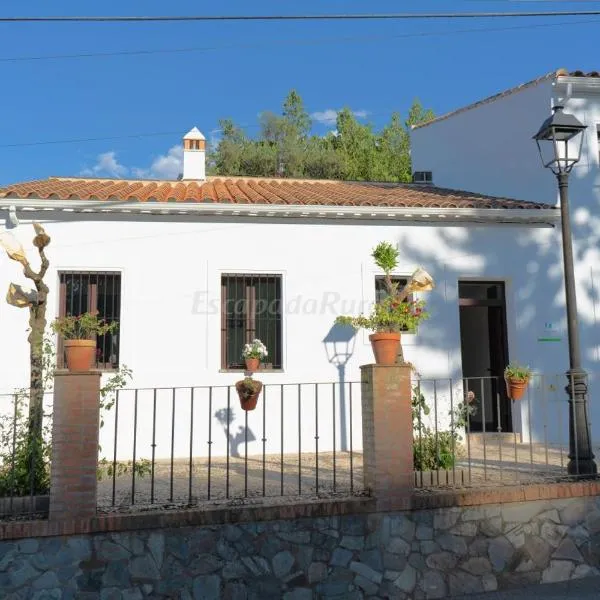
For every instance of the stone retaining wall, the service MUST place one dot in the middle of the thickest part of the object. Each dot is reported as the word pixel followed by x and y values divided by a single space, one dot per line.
pixel 420 554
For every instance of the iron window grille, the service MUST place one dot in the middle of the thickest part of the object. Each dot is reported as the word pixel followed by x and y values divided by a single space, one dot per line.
pixel 250 308
pixel 82 292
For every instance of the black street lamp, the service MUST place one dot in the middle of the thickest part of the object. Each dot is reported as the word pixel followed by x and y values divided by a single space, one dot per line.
pixel 559 141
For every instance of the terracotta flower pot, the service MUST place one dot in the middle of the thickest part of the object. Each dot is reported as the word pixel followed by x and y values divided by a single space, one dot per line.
pixel 515 388
pixel 81 354
pixel 248 401
pixel 252 364
pixel 385 347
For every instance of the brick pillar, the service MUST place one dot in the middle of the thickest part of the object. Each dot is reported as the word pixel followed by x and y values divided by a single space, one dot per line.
pixel 388 434
pixel 75 430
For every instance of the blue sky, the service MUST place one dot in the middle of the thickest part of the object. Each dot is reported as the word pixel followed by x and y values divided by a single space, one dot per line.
pixel 372 67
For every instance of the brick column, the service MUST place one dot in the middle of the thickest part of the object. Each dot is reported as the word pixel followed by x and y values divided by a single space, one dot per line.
pixel 388 434
pixel 75 430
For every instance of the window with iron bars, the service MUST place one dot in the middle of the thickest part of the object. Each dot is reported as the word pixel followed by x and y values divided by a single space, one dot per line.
pixel 82 292
pixel 250 308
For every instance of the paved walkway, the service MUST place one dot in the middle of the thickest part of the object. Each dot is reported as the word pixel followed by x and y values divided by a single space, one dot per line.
pixel 579 589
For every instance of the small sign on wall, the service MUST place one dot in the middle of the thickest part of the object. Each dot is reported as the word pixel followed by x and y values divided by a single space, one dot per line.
pixel 549 333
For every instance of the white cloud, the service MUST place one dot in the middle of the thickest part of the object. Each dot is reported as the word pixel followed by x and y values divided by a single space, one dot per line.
pixel 328 116
pixel 106 165
pixel 164 166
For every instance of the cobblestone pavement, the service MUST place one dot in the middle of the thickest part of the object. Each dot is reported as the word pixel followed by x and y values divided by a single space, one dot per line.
pixel 580 589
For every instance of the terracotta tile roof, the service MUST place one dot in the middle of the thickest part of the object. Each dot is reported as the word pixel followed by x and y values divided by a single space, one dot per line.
pixel 248 190
pixel 518 88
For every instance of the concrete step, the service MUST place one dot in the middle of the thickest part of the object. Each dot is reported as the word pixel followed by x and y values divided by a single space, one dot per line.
pixel 493 437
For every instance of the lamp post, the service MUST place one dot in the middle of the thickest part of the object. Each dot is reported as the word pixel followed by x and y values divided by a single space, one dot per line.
pixel 559 142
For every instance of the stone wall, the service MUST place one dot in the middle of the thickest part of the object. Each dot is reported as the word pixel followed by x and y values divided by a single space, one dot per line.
pixel 421 554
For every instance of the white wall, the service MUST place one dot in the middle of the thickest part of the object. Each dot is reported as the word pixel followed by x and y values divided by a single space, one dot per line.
pixel 169 340
pixel 489 149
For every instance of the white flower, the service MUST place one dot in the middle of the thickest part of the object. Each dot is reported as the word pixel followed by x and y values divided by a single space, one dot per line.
pixel 255 350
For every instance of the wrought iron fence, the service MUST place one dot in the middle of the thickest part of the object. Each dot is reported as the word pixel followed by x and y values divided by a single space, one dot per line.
pixel 184 446
pixel 468 433
pixel 24 458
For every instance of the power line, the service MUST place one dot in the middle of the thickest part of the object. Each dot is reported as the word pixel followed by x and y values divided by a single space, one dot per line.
pixel 266 44
pixel 90 139
pixel 311 17
pixel 292 42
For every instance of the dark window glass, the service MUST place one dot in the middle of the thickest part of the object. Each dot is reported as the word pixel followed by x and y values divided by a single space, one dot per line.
pixel 381 292
pixel 250 308
pixel 479 290
pixel 90 292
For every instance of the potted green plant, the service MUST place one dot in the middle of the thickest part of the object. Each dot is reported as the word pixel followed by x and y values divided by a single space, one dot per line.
pixel 394 313
pixel 253 353
pixel 516 378
pixel 248 390
pixel 79 337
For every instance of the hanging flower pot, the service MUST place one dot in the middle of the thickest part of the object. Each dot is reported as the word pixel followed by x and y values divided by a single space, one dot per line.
pixel 517 379
pixel 248 390
pixel 80 354
pixel 385 347
pixel 515 388
pixel 252 364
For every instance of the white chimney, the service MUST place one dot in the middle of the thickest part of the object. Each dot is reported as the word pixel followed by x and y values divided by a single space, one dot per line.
pixel 194 156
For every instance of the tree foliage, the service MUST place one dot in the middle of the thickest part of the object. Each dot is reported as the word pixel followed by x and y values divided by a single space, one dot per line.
pixel 286 148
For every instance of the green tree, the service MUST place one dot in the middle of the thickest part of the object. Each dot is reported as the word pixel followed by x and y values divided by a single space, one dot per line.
pixel 394 144
pixel 285 148
pixel 417 114
pixel 356 146
pixel 230 150
pixel 295 115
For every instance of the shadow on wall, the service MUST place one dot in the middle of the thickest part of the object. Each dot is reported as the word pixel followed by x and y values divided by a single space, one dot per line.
pixel 339 343
pixel 529 260
pixel 243 435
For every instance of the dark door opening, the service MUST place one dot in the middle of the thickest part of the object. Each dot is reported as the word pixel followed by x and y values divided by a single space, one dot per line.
pixel 484 352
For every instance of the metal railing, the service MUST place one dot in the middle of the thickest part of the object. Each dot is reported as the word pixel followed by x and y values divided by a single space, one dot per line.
pixel 468 433
pixel 24 458
pixel 184 446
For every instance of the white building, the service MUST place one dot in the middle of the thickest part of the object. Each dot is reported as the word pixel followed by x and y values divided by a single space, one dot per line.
pixel 487 147
pixel 171 261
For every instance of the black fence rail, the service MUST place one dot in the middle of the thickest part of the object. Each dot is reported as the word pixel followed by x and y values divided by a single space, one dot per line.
pixel 468 433
pixel 184 446
pixel 24 458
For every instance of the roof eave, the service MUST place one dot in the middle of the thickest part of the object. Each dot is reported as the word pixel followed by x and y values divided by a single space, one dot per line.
pixel 488 100
pixel 528 216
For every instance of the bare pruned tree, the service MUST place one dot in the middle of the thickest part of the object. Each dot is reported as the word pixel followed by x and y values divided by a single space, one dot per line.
pixel 36 301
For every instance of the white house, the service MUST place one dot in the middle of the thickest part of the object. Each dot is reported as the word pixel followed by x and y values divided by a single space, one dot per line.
pixel 191 269
pixel 487 147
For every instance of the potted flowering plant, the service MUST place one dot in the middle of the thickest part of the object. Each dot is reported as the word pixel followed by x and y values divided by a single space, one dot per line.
pixel 253 353
pixel 248 390
pixel 79 336
pixel 394 313
pixel 516 378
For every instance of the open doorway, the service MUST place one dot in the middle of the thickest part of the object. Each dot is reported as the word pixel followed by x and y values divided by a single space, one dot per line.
pixel 484 351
